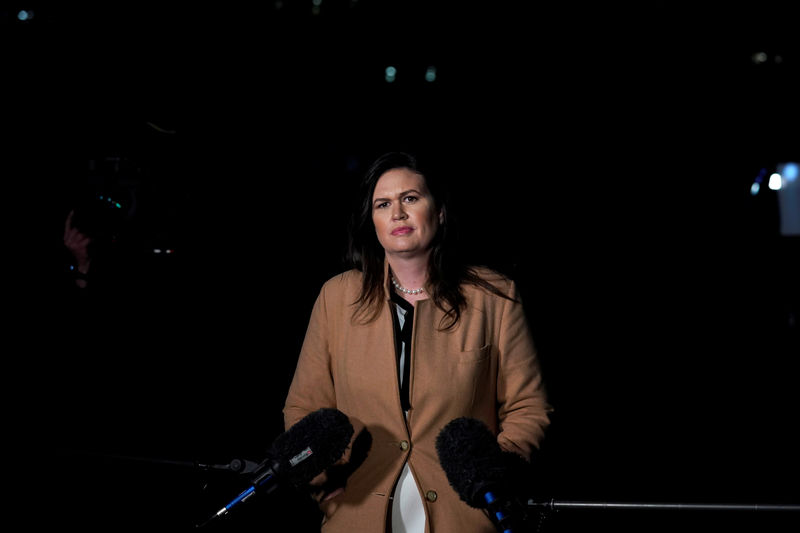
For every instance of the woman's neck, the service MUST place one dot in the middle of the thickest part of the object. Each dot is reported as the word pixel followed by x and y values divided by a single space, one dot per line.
pixel 410 274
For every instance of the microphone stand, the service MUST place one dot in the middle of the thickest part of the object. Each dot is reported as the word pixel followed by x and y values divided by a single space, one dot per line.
pixel 540 511
pixel 237 466
pixel 555 505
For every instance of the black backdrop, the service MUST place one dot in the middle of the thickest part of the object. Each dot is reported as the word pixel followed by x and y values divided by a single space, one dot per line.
pixel 603 158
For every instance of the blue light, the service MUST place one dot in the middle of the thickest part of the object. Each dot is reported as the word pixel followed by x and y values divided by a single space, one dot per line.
pixel 790 171
pixel 390 74
pixel 24 15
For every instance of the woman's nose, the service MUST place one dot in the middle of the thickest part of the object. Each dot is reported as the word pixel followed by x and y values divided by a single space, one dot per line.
pixel 398 213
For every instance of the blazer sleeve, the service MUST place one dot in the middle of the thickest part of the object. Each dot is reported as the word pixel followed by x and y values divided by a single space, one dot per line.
pixel 312 384
pixel 523 409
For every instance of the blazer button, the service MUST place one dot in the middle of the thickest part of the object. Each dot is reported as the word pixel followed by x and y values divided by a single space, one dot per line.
pixel 404 445
pixel 431 495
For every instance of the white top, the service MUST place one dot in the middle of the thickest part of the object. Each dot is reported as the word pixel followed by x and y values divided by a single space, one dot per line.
pixel 408 512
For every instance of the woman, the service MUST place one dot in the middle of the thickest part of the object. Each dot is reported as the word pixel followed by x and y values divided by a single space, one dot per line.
pixel 406 341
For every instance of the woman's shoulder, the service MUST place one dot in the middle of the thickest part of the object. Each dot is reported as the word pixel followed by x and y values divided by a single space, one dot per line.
pixel 492 276
pixel 343 281
pixel 490 285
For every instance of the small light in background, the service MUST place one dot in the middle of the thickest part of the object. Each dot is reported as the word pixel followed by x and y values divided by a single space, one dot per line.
pixel 775 181
pixel 790 171
pixel 756 186
pixel 390 74
pixel 25 15
pixel 430 74
pixel 110 201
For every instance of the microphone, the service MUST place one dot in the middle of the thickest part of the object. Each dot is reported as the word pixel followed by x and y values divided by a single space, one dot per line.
pixel 483 474
pixel 298 455
pixel 238 466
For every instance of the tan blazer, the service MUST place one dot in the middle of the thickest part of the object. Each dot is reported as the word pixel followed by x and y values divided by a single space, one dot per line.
pixel 484 368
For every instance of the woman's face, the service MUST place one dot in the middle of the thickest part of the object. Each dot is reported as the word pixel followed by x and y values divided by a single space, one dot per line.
pixel 404 213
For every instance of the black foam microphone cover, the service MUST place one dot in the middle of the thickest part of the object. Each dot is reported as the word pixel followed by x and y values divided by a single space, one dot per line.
pixel 311 445
pixel 472 459
pixel 475 463
pixel 484 475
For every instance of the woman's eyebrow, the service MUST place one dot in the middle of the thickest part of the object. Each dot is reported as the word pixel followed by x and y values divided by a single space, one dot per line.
pixel 399 196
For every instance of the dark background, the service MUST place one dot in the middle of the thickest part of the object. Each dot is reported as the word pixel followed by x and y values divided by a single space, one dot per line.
pixel 603 157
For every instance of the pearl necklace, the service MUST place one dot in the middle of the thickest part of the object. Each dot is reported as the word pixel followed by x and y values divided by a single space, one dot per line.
pixel 403 289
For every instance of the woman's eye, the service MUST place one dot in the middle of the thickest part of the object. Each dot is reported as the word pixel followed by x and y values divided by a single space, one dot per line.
pixel 410 199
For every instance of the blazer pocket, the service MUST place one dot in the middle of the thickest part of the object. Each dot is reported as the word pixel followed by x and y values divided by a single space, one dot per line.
pixel 475 356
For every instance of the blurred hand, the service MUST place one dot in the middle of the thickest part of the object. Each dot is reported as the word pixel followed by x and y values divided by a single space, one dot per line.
pixel 77 243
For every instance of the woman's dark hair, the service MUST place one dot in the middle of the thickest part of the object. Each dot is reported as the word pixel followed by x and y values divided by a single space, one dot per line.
pixel 446 271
